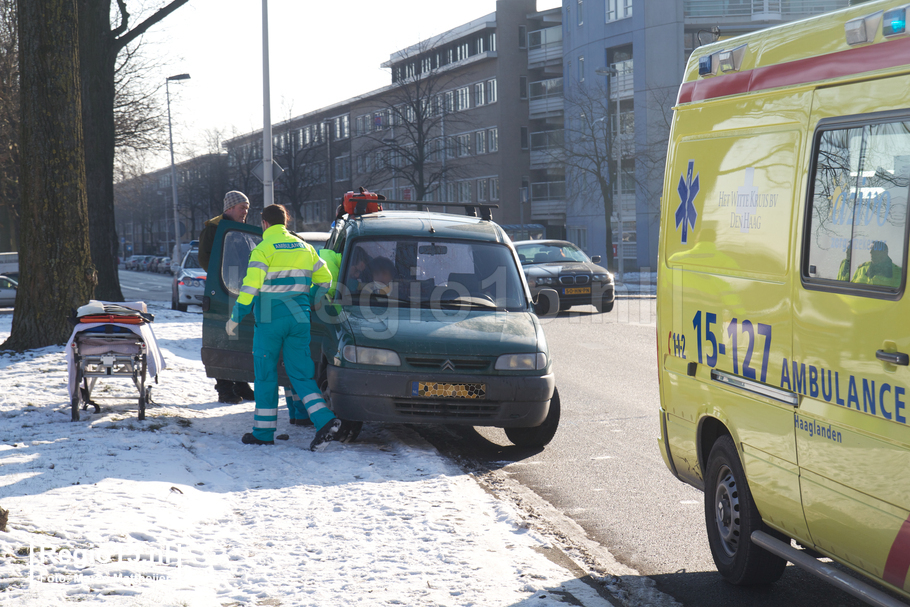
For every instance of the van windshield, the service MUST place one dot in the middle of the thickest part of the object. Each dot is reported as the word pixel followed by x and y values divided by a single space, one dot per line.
pixel 437 274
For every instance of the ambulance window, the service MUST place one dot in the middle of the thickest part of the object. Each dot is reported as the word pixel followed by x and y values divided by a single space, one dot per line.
pixel 858 215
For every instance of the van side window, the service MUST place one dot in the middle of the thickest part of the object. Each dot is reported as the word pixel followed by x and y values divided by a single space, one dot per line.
pixel 857 222
pixel 235 258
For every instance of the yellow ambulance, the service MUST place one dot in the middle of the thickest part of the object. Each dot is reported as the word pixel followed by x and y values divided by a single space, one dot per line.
pixel 783 308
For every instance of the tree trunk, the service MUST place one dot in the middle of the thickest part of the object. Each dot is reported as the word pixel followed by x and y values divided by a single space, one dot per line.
pixel 97 56
pixel 55 263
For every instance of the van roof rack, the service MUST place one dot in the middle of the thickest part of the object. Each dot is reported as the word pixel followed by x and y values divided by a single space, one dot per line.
pixel 470 208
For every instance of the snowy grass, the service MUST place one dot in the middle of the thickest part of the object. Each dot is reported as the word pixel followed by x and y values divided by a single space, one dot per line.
pixel 174 510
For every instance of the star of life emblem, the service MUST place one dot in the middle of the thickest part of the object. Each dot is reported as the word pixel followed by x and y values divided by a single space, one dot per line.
pixel 686 215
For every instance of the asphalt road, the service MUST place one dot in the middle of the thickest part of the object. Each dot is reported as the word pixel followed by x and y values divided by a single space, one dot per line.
pixel 604 470
pixel 145 286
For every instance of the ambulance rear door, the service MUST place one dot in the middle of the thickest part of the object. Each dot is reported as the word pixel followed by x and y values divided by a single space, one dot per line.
pixel 851 337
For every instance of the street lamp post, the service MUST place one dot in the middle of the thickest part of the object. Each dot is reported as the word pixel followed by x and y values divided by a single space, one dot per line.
pixel 607 72
pixel 170 134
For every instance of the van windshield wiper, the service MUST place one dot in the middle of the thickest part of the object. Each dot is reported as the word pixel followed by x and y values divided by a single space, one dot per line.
pixel 476 302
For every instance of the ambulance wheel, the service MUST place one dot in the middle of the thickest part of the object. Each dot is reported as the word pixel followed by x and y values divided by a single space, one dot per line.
pixel 541 435
pixel 731 516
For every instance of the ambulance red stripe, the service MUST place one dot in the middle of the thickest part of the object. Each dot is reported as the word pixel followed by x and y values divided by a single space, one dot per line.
pixel 884 55
pixel 898 562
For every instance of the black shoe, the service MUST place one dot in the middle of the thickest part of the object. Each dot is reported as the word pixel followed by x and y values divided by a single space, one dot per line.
pixel 229 397
pixel 249 439
pixel 326 434
pixel 349 431
pixel 243 390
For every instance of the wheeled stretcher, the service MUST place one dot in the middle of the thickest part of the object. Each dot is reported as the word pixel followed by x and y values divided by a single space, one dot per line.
pixel 119 345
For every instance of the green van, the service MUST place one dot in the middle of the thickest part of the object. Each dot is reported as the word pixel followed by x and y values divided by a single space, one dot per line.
pixel 431 321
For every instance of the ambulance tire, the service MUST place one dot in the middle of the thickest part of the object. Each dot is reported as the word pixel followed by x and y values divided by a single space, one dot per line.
pixel 731 516
pixel 541 435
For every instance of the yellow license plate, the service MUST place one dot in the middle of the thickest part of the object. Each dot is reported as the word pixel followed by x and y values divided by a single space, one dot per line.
pixel 578 291
pixel 431 389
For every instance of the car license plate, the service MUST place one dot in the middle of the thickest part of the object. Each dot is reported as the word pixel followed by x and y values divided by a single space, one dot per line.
pixel 578 291
pixel 432 389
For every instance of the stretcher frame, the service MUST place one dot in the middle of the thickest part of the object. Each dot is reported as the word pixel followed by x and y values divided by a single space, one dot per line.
pixel 99 355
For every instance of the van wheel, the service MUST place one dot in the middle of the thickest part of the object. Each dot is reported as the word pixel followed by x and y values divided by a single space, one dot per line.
pixel 731 516
pixel 541 435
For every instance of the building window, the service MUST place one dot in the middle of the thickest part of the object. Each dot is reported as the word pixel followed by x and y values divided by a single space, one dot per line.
pixel 342 168
pixel 522 36
pixel 581 68
pixel 450 101
pixel 494 188
pixel 618 9
pixel 480 97
pixel 524 137
pixel 522 87
pixel 581 12
pixel 462 99
pixel 342 127
pixel 493 42
pixel 450 193
pixel 480 142
pixel 463 145
pixel 578 235
pixel 464 191
pixel 483 188
pixel 493 139
pixel 481 45
pixel 492 92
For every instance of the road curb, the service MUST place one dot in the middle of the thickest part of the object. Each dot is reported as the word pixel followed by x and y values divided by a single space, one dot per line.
pixel 615 582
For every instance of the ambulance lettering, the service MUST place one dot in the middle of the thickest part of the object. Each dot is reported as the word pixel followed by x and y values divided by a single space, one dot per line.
pixel 860 393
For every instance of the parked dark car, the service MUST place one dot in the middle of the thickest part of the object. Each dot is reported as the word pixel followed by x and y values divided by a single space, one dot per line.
pixel 431 323
pixel 560 265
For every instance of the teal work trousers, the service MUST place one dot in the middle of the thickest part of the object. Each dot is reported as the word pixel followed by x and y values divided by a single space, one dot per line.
pixel 290 338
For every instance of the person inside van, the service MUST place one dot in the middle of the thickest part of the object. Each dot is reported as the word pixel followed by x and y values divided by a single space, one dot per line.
pixel 880 270
pixel 383 272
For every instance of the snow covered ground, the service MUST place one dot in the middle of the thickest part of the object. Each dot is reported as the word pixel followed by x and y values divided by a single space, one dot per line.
pixel 174 510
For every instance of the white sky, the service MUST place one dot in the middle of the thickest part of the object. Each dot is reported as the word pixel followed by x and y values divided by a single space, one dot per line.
pixel 320 53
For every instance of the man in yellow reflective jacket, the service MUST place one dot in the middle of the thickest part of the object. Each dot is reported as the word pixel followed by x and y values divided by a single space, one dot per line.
pixel 881 270
pixel 284 277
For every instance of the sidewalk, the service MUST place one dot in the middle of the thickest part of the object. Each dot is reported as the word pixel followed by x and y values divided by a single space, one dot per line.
pixel 174 510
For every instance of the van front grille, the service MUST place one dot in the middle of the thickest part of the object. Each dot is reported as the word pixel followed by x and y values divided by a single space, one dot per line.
pixel 448 410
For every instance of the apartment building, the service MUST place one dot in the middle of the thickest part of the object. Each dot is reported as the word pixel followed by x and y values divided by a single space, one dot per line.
pixel 636 50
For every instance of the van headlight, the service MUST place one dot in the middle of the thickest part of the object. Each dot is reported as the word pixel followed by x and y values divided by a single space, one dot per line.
pixel 371 356
pixel 521 362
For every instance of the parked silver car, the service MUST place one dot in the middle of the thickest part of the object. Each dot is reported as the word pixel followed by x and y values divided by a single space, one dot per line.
pixel 8 288
pixel 189 282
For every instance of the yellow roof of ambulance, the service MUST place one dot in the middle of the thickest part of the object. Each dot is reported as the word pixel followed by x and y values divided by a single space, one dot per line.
pixel 797 42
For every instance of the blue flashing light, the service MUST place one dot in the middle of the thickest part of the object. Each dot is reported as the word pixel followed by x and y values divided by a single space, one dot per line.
pixel 704 65
pixel 895 22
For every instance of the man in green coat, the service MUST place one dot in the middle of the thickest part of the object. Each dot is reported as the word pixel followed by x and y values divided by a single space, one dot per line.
pixel 236 208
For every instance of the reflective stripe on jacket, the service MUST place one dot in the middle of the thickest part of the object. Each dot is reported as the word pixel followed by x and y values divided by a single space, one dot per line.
pixel 282 279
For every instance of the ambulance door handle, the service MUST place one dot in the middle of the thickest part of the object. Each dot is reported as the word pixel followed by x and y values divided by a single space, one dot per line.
pixel 895 358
